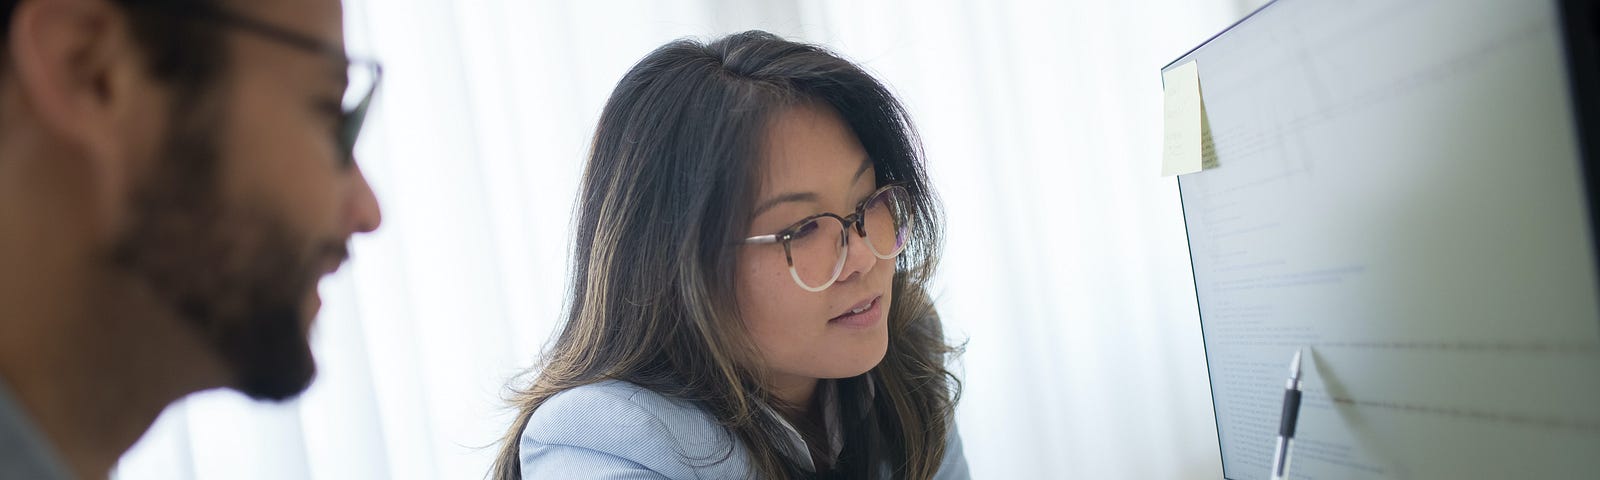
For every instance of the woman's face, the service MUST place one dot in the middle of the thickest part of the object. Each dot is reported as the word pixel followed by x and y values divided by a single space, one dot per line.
pixel 814 164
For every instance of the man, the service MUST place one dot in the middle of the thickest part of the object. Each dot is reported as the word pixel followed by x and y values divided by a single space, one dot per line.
pixel 175 178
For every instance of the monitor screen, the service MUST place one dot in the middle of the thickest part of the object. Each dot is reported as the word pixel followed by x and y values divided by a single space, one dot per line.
pixel 1399 189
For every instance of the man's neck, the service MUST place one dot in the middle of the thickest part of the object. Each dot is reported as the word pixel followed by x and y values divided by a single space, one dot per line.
pixel 91 361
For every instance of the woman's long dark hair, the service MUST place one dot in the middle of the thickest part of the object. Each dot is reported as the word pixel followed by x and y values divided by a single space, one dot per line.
pixel 665 200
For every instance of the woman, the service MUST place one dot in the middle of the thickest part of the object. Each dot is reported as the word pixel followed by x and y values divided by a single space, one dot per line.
pixel 755 230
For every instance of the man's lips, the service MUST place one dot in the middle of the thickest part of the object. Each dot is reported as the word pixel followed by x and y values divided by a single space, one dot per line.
pixel 334 256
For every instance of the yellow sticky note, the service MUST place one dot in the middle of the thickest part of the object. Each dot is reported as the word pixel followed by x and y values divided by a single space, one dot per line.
pixel 1183 119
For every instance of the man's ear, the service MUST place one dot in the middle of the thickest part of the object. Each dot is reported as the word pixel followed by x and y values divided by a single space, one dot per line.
pixel 83 78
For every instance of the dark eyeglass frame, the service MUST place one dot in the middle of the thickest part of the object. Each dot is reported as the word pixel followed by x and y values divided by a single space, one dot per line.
pixel 856 219
pixel 351 118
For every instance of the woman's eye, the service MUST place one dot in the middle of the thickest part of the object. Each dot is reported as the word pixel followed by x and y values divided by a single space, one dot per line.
pixel 804 230
pixel 876 202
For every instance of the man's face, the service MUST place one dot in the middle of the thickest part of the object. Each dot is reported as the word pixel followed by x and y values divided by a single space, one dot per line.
pixel 251 200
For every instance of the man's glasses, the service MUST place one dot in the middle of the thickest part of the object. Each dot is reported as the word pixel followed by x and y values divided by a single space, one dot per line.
pixel 817 246
pixel 361 76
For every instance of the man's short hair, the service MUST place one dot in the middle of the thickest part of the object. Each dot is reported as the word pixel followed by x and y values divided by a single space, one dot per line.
pixel 183 51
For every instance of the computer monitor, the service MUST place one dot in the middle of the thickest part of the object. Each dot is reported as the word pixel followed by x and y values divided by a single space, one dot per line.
pixel 1406 189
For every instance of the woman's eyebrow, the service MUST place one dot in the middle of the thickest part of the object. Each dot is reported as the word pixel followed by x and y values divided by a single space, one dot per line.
pixel 866 164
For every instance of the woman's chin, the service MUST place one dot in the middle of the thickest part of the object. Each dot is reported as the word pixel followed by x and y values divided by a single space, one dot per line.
pixel 856 363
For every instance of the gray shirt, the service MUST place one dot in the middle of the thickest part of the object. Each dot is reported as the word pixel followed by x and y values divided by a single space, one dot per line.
pixel 24 452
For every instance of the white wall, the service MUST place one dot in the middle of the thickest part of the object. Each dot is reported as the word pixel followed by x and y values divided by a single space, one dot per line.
pixel 1066 270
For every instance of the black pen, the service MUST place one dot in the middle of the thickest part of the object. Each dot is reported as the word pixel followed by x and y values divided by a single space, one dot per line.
pixel 1291 413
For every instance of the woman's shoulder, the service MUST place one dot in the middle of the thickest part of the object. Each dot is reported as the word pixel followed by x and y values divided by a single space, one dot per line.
pixel 616 404
pixel 617 423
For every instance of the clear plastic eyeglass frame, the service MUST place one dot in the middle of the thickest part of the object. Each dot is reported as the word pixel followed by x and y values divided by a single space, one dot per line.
pixel 898 196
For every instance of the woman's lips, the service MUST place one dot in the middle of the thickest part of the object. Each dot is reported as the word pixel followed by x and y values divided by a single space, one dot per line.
pixel 864 314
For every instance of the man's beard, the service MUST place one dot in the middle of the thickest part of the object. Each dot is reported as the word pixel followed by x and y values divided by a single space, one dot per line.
pixel 237 274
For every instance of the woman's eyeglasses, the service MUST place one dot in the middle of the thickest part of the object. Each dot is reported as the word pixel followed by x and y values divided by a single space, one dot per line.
pixel 817 246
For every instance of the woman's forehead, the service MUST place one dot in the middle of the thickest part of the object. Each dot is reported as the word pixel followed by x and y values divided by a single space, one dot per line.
pixel 809 147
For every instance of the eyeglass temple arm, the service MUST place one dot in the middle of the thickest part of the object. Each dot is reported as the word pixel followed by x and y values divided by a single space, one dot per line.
pixel 761 239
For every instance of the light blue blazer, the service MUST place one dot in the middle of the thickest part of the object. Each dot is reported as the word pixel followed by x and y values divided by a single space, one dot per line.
pixel 619 430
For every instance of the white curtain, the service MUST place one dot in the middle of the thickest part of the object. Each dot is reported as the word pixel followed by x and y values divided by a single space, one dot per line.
pixel 1066 270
